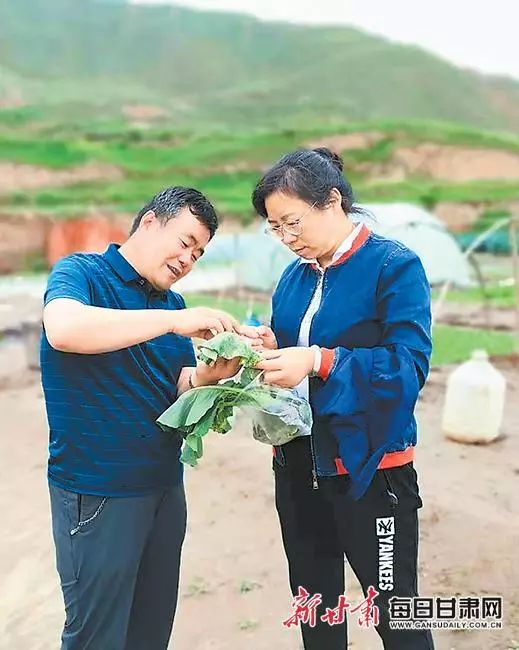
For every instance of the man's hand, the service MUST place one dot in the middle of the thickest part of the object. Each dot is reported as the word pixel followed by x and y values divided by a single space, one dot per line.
pixel 259 337
pixel 202 322
pixel 203 375
pixel 287 367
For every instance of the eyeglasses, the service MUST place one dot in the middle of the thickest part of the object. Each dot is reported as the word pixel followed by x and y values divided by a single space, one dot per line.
pixel 292 227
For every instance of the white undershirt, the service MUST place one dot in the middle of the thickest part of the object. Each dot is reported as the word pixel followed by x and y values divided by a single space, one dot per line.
pixel 302 389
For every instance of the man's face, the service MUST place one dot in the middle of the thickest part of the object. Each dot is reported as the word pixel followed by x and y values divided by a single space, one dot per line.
pixel 173 248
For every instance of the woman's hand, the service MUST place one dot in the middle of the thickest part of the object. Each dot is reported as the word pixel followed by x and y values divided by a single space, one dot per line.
pixel 287 367
pixel 259 337
pixel 204 375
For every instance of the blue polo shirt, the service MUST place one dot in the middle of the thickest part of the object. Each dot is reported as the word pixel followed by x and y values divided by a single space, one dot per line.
pixel 101 408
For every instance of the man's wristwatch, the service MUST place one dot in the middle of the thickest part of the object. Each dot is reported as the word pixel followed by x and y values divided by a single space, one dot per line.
pixel 190 379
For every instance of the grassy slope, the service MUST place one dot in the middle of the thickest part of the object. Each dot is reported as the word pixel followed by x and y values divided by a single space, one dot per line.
pixel 223 164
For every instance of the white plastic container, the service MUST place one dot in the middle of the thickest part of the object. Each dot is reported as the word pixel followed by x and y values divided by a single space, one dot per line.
pixel 474 401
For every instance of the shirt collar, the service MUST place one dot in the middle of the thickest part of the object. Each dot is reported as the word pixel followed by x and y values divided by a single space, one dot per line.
pixel 120 264
pixel 128 273
pixel 343 248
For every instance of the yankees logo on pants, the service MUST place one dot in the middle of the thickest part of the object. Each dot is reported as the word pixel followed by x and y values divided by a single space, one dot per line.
pixel 378 535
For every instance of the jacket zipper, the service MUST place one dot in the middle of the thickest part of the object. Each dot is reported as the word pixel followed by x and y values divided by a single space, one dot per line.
pixel 315 482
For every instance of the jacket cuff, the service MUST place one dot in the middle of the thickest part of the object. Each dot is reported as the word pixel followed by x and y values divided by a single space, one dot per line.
pixel 327 360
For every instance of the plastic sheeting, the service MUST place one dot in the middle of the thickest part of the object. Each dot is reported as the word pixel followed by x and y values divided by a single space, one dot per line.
pixel 259 259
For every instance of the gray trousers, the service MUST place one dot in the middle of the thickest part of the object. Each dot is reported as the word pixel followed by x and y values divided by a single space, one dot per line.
pixel 118 560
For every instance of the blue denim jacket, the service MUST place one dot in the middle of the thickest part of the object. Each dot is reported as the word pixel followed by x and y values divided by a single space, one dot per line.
pixel 375 317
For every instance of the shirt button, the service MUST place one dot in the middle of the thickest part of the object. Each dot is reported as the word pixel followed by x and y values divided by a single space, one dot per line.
pixel 141 281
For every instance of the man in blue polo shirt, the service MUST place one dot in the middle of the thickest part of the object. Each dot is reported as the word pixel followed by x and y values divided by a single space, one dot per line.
pixel 115 353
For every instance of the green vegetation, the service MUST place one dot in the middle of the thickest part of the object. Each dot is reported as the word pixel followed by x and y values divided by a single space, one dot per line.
pixel 230 70
pixel 238 308
pixel 197 587
pixel 248 624
pixel 222 164
pixel 145 149
pixel 47 153
pixel 212 408
pixel 121 86
pixel 35 263
pixel 489 217
pixel 231 193
pixel 455 344
pixel 249 585
pixel 494 296
pixel 429 192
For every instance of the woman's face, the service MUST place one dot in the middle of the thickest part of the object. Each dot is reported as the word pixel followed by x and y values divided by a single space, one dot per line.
pixel 307 230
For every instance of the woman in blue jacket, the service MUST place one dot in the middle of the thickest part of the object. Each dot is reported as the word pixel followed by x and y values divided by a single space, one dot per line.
pixel 351 329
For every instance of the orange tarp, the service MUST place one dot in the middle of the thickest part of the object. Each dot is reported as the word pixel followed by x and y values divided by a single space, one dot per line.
pixel 89 235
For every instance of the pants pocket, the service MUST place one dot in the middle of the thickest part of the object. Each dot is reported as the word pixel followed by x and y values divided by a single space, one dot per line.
pixel 402 486
pixel 89 508
pixel 64 510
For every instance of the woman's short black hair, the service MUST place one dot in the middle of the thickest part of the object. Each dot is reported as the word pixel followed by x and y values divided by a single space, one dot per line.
pixel 168 203
pixel 309 174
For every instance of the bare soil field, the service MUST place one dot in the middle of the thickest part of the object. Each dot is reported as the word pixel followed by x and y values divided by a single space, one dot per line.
pixel 234 592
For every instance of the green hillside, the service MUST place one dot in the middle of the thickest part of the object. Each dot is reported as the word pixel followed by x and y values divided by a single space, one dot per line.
pixel 225 69
pixel 224 164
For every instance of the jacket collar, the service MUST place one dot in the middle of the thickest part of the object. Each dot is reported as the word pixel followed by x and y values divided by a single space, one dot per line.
pixel 348 247
pixel 360 239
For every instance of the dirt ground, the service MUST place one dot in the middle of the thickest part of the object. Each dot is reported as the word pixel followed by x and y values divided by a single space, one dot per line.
pixel 234 592
pixel 467 315
pixel 431 159
pixel 16 177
